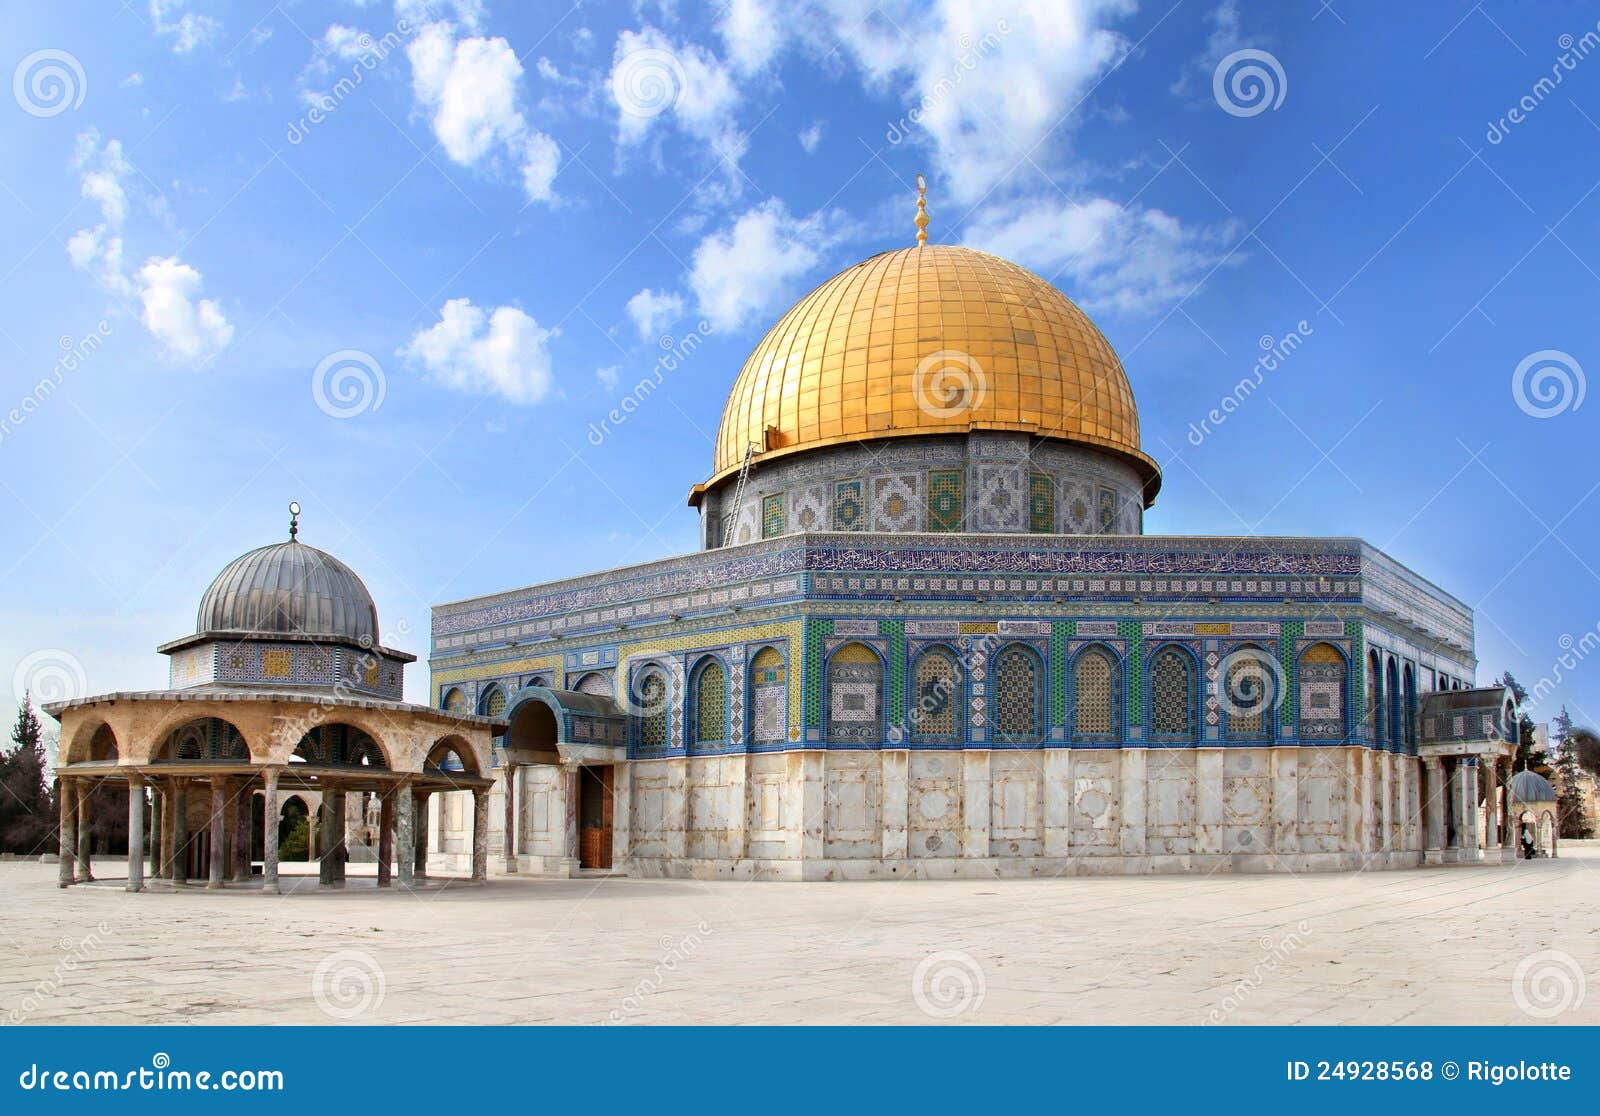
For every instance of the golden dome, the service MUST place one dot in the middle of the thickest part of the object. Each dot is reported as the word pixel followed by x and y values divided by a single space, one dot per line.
pixel 934 339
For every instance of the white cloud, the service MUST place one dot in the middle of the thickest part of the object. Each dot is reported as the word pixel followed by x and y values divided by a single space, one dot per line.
pixel 469 85
pixel 653 311
pixel 503 351
pixel 747 269
pixel 1113 258
pixel 751 31
pixel 188 29
pixel 189 327
pixel 1224 37
pixel 608 376
pixel 104 168
pixel 656 82
pixel 812 136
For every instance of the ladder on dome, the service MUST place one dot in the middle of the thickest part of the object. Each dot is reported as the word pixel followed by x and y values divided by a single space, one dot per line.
pixel 738 493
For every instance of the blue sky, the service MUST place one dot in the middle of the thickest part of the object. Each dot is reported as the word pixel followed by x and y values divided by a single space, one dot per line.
pixel 483 222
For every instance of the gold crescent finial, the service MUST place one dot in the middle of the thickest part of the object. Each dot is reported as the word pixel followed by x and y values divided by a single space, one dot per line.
pixel 922 211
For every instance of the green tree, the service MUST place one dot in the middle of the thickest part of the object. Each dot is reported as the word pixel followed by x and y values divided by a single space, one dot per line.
pixel 1576 825
pixel 1529 754
pixel 27 808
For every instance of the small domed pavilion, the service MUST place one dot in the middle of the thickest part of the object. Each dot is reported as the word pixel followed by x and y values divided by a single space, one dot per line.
pixel 284 689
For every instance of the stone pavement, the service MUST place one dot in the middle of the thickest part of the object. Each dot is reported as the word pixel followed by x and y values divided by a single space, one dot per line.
pixel 1504 944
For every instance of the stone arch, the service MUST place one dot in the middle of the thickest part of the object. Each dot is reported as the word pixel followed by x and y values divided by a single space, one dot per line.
pixel 201 738
pixel 1096 693
pixel 708 704
pixel 854 685
pixel 452 753
pixel 1172 677
pixel 1017 706
pixel 1322 677
pixel 596 683
pixel 534 725
pixel 93 741
pixel 341 743
pixel 936 702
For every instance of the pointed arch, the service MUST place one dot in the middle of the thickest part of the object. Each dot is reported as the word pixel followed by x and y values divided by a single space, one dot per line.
pixel 1249 693
pixel 1374 712
pixel 650 700
pixel 203 739
pixel 1171 686
pixel 708 704
pixel 936 689
pixel 492 703
pixel 340 745
pixel 1018 672
pixel 454 700
pixel 1096 693
pixel 855 695
pixel 1392 731
pixel 1408 713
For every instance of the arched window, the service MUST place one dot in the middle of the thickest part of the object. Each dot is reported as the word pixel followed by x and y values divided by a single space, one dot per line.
pixel 1249 694
pixel 1016 693
pixel 1094 685
pixel 935 702
pixel 493 702
pixel 455 701
pixel 597 684
pixel 1410 711
pixel 1322 682
pixel 769 697
pixel 855 695
pixel 1374 713
pixel 1171 694
pixel 1392 732
pixel 710 690
pixel 654 710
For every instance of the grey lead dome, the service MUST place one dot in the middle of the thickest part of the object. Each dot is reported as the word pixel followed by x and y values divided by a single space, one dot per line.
pixel 1530 786
pixel 289 588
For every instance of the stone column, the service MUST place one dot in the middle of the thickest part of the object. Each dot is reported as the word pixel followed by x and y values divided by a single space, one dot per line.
pixel 386 837
pixel 1466 808
pixel 66 793
pixel 511 818
pixel 1058 802
pixel 219 802
pixel 180 831
pixel 158 829
pixel 1508 827
pixel 1405 824
pixel 895 764
pixel 570 778
pixel 269 833
pixel 85 792
pixel 419 840
pixel 976 805
pixel 405 833
pixel 1131 793
pixel 326 874
pixel 480 835
pixel 1491 803
pixel 135 833
pixel 243 803
pixel 340 852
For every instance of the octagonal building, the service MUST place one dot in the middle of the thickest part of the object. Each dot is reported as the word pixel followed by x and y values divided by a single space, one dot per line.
pixel 926 636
